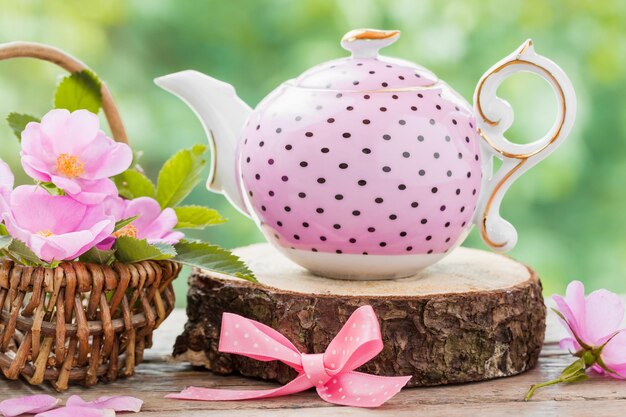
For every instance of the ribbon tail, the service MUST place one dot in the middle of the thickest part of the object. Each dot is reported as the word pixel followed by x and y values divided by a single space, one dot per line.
pixel 300 383
pixel 357 389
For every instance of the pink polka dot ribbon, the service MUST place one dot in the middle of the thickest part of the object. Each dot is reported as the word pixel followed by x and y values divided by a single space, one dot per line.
pixel 331 373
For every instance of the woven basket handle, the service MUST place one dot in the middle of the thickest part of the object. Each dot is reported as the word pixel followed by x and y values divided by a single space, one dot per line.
pixel 71 64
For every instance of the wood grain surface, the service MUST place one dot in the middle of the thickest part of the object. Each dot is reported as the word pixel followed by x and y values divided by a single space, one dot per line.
pixel 474 315
pixel 159 375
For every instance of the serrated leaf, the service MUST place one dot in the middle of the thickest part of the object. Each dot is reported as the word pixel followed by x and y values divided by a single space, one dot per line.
pixel 18 121
pixel 5 242
pixel 96 256
pixel 123 223
pixel 18 250
pixel 129 250
pixel 197 217
pixel 133 184
pixel 79 90
pixel 212 257
pixel 179 175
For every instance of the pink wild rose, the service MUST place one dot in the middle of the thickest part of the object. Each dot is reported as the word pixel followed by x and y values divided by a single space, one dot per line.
pixel 70 150
pixel 596 339
pixel 595 319
pixel 54 227
pixel 153 224
pixel 6 185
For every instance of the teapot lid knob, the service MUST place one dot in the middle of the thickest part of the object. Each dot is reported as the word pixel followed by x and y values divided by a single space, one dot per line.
pixel 365 43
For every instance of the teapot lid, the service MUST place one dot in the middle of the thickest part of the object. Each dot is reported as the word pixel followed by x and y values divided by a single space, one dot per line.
pixel 366 70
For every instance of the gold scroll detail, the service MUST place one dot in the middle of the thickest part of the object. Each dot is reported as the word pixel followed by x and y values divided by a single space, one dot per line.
pixel 522 157
pixel 371 35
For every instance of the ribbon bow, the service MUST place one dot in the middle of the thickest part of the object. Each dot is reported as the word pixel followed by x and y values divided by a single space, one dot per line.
pixel 331 373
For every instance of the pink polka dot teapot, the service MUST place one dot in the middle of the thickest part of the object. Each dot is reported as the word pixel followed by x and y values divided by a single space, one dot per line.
pixel 370 167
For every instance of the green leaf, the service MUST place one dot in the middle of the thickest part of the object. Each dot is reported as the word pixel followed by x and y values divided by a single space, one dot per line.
pixel 133 184
pixel 130 249
pixel 577 377
pixel 3 230
pixel 137 155
pixel 96 256
pixel 18 250
pixel 574 368
pixel 179 175
pixel 79 90
pixel 18 122
pixel 124 222
pixel 206 256
pixel 5 242
pixel 197 217
pixel 51 188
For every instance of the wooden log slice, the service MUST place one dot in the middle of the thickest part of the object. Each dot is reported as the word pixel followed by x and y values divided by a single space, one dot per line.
pixel 475 315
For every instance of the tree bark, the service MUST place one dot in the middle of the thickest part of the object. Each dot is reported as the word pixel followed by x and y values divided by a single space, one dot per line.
pixel 473 316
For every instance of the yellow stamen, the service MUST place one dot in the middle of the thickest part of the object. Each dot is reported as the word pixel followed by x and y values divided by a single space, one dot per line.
pixel 45 233
pixel 70 165
pixel 128 230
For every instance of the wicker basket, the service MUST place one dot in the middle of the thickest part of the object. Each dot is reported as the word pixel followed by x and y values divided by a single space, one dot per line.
pixel 79 323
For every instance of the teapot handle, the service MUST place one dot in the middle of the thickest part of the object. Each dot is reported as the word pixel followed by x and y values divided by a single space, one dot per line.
pixel 494 116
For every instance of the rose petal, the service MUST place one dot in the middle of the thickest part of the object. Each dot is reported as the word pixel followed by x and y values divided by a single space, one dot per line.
pixel 32 167
pixel 78 412
pixel 619 371
pixel 74 227
pixel 76 135
pixel 53 123
pixel 94 192
pixel 573 308
pixel 6 178
pixel 569 344
pixel 115 206
pixel 35 210
pixel 78 132
pixel 171 238
pixel 30 404
pixel 6 185
pixel 105 158
pixel 604 314
pixel 117 403
pixel 614 354
pixel 570 324
pixel 163 224
pixel 148 209
pixel 153 224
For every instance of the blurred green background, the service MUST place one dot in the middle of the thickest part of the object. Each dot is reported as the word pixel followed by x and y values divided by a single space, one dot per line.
pixel 569 210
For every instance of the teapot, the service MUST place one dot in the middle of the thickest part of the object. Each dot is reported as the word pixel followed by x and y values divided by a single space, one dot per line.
pixel 371 167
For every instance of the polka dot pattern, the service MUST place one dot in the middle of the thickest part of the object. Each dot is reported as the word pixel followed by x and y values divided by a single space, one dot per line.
pixel 406 182
pixel 331 373
pixel 366 74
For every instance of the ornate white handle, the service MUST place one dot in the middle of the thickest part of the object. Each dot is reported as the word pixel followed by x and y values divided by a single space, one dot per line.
pixel 494 116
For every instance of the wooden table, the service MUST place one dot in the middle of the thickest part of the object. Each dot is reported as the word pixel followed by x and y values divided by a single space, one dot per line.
pixel 159 375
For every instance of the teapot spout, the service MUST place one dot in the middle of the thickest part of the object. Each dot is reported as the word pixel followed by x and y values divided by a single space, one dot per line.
pixel 223 115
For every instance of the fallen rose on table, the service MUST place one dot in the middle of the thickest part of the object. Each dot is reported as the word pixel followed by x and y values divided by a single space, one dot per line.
pixel 595 337
pixel 48 406
pixel 91 202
